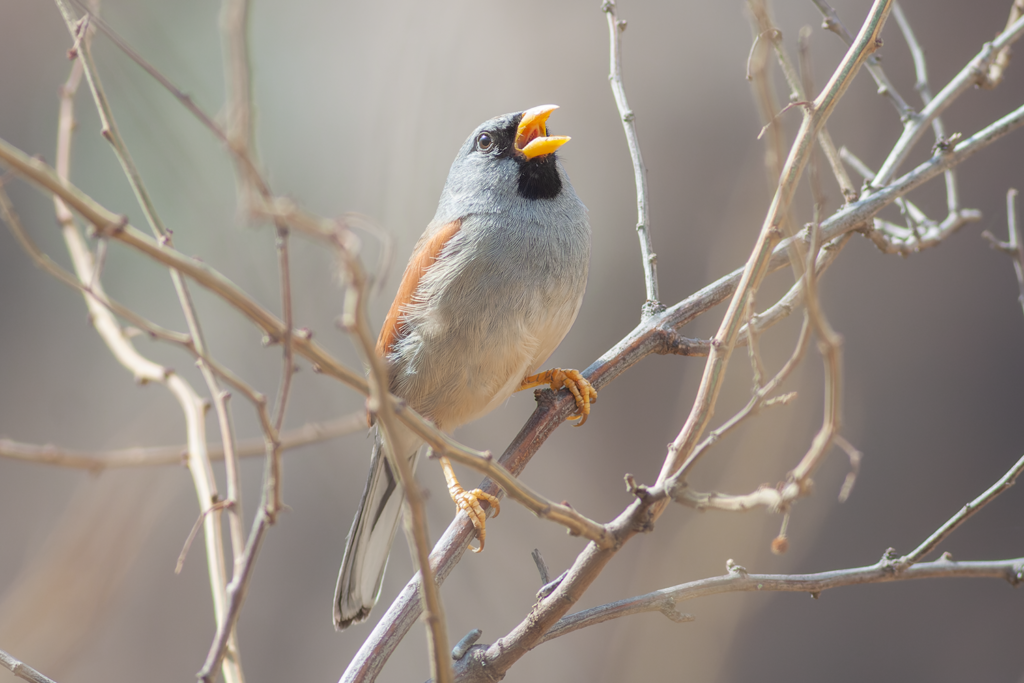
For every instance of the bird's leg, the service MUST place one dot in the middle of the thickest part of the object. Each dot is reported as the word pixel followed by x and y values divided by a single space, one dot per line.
pixel 572 380
pixel 469 502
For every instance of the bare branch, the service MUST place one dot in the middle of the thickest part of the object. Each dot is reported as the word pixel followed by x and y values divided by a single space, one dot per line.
pixel 682 447
pixel 1014 246
pixel 643 224
pixel 994 76
pixel 356 322
pixel 155 456
pixel 1011 571
pixel 943 532
pixel 832 22
pixel 111 133
pixel 961 83
pixel 22 670
pixel 921 70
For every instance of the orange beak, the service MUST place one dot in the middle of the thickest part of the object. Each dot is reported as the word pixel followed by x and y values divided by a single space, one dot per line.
pixel 532 139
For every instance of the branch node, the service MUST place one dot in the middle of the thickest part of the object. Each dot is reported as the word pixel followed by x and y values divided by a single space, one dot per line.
pixel 889 562
pixel 668 608
pixel 735 569
pixel 945 145
pixel 549 588
pixel 1017 576
pixel 639 490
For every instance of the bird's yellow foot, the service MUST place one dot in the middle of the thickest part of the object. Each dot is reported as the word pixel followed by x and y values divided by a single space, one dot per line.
pixel 581 389
pixel 469 502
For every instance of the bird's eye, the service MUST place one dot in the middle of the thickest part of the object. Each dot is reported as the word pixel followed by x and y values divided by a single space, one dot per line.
pixel 484 142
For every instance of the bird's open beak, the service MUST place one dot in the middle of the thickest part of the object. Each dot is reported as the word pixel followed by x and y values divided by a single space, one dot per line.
pixel 532 139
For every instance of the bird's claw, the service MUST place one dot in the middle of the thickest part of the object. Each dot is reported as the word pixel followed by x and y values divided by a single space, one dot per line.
pixel 577 384
pixel 469 502
pixel 581 389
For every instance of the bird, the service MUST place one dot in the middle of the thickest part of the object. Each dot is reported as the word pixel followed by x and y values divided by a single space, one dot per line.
pixel 491 289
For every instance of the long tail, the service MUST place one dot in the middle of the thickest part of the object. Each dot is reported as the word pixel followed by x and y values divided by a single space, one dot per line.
pixel 373 531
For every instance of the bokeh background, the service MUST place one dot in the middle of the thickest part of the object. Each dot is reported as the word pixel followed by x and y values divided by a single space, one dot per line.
pixel 361 107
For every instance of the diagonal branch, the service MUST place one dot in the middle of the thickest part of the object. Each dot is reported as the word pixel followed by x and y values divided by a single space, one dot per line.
pixel 965 513
pixel 681 449
pixel 22 670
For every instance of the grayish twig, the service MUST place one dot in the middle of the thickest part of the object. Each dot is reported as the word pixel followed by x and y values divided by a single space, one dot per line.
pixel 1011 571
pixel 922 232
pixel 994 74
pixel 356 321
pixel 921 72
pixel 961 83
pixel 832 22
pixel 965 513
pixel 1016 242
pixel 679 456
pixel 156 456
pixel 643 225
pixel 201 465
pixel 22 670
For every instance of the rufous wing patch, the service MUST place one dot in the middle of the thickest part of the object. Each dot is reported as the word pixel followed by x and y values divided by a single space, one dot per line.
pixel 427 251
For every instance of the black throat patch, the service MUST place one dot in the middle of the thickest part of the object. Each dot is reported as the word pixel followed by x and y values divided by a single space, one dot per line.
pixel 538 177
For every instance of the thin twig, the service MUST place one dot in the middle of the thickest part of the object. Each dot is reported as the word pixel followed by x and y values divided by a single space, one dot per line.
pixel 22 670
pixel 921 72
pixel 764 91
pixel 356 321
pixel 222 650
pixel 895 239
pixel 643 224
pixel 679 454
pixel 943 532
pixel 1016 242
pixel 1011 571
pixel 994 76
pixel 157 456
pixel 111 133
pixel 961 83
pixel 832 22
pixel 238 134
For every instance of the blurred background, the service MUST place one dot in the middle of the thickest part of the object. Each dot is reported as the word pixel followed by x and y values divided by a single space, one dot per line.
pixel 361 108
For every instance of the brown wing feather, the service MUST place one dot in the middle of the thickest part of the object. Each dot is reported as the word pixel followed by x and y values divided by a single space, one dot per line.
pixel 427 251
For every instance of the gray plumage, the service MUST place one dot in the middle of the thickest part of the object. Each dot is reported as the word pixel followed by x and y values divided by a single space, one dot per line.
pixel 500 296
